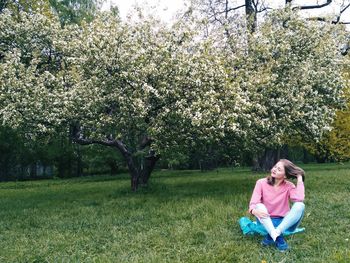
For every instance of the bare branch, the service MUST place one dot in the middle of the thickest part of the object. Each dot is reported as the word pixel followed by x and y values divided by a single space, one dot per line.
pixel 264 9
pixel 313 6
pixel 226 11
pixel 346 7
pixel 322 19
pixel 340 14
pixel 235 8
pixel 255 4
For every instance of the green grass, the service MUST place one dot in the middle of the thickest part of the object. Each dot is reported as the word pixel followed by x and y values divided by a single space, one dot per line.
pixel 184 216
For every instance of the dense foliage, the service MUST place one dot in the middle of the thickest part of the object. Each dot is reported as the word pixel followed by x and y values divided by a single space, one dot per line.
pixel 148 90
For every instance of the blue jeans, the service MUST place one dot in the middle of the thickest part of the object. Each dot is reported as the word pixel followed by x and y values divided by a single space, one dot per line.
pixel 290 222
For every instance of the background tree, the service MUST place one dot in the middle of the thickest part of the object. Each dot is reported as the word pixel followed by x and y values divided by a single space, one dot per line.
pixel 295 80
pixel 31 6
pixel 152 90
pixel 11 144
pixel 75 11
pixel 334 145
pixel 223 15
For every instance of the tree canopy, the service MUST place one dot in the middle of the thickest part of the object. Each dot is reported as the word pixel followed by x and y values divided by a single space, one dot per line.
pixel 148 90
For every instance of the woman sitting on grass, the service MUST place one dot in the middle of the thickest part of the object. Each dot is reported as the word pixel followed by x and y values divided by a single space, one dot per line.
pixel 270 202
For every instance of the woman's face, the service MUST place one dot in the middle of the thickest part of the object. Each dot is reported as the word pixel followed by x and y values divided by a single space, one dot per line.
pixel 278 171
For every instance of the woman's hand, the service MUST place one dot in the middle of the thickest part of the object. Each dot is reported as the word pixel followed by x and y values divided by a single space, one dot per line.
pixel 260 214
pixel 299 177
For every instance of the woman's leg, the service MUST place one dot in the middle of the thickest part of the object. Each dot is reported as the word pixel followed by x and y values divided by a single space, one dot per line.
pixel 267 222
pixel 292 219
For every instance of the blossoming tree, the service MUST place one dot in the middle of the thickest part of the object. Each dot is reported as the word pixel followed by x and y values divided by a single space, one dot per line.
pixel 147 90
pixel 293 80
pixel 140 88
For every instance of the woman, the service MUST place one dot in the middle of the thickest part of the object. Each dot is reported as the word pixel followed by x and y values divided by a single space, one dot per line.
pixel 270 202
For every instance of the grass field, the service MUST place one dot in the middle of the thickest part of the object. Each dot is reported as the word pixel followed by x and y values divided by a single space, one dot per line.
pixel 184 216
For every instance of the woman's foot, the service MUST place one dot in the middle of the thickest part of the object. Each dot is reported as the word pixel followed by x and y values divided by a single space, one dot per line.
pixel 281 244
pixel 267 241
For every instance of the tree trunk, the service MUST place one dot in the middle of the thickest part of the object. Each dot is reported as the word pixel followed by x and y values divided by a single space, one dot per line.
pixel 305 156
pixel 251 16
pixel 134 182
pixel 142 174
pixel 269 158
pixel 79 170
pixel 136 173
pixel 33 170
pixel 113 166
pixel 320 159
pixel 133 171
pixel 266 161
pixel 149 164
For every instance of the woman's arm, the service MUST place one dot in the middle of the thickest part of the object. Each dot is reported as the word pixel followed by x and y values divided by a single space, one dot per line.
pixel 256 196
pixel 297 194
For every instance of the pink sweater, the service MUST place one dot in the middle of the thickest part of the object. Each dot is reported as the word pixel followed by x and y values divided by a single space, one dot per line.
pixel 276 200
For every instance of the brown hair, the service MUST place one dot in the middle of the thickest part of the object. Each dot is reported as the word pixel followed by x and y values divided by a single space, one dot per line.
pixel 291 171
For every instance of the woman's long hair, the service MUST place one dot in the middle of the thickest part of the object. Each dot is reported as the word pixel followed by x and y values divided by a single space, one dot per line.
pixel 290 169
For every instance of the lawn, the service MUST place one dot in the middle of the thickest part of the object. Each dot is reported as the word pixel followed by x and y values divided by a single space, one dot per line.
pixel 183 216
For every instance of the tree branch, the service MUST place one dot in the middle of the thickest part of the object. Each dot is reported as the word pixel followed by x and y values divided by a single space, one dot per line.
pixel 342 11
pixel 234 8
pixel 146 141
pixel 77 137
pixel 255 4
pixel 225 11
pixel 322 19
pixel 264 9
pixel 313 6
